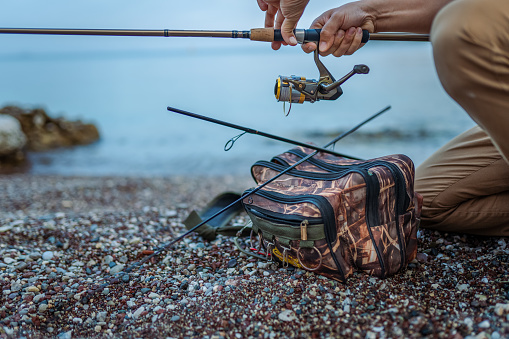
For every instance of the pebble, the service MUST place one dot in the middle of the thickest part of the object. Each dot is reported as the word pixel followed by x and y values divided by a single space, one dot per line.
pixel 32 289
pixel 117 268
pixel 43 308
pixel 125 278
pixel 106 291
pixel 138 312
pixel 462 287
pixel 48 255
pixel 101 316
pixel 9 260
pixel 16 286
pixel 287 315
pixel 232 263
pixel 484 324
pixel 153 295
pixel 175 318
pixel 38 298
pixel 35 255
pixel 500 309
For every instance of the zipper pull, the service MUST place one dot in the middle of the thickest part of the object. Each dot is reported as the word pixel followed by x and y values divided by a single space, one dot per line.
pixel 304 229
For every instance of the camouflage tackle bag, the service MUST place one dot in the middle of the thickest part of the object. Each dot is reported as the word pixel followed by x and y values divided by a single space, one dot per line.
pixel 335 216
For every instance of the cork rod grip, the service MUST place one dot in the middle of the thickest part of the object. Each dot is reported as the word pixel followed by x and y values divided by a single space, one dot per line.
pixel 262 34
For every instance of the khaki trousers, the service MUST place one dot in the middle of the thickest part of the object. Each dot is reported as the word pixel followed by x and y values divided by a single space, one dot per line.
pixel 465 184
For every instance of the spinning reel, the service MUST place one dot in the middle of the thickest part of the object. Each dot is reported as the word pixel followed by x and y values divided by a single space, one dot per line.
pixel 294 89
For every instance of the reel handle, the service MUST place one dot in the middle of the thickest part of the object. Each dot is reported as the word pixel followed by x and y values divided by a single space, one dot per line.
pixel 302 35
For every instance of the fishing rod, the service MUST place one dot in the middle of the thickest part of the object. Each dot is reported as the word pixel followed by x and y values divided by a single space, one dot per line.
pixel 255 34
pixel 230 142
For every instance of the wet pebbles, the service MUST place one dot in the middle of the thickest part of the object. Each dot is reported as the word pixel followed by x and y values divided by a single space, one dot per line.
pixel 66 244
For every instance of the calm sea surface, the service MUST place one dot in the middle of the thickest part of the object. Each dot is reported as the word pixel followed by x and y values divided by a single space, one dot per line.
pixel 124 85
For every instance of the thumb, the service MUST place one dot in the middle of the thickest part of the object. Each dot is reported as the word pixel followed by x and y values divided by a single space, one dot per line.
pixel 287 31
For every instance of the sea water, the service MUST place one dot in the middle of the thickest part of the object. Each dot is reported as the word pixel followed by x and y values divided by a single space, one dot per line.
pixel 124 84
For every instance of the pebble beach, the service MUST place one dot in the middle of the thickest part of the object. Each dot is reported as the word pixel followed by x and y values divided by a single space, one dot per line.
pixel 62 239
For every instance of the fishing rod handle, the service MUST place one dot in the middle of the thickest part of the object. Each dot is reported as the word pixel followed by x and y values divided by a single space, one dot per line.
pixel 302 35
pixel 307 35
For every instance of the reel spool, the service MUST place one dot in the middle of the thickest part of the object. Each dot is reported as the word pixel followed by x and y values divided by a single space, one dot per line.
pixel 295 89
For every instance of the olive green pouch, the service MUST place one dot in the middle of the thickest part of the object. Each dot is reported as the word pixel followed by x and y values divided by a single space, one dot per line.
pixel 219 224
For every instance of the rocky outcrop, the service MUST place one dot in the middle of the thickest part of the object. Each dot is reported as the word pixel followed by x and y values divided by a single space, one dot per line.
pixel 12 138
pixel 44 132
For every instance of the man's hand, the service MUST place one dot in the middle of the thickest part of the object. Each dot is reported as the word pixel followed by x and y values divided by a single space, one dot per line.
pixel 284 15
pixel 341 30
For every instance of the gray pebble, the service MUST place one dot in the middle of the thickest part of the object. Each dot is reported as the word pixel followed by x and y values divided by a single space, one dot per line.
pixel 48 255
pixel 232 263
pixel 117 268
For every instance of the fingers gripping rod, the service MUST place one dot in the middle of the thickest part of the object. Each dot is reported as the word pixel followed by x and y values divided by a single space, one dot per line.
pixel 255 34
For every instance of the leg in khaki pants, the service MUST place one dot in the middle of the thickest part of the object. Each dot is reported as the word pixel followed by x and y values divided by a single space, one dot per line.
pixel 465 184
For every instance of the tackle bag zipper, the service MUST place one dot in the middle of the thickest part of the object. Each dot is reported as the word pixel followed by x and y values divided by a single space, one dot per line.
pixel 279 218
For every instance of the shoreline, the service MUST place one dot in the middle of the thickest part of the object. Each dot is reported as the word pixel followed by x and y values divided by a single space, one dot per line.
pixel 62 235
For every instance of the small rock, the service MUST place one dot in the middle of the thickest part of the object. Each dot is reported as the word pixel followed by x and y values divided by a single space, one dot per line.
pixel 101 316
pixel 153 295
pixel 175 318
pixel 462 287
pixel 484 324
pixel 43 308
pixel 106 291
pixel 232 263
pixel 422 257
pixel 9 260
pixel 48 255
pixel 125 278
pixel 287 315
pixel 16 286
pixel 32 289
pixel 500 309
pixel 138 312
pixel 117 268
pixel 38 298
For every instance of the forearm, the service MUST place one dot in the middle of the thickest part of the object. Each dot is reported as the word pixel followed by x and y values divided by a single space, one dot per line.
pixel 403 15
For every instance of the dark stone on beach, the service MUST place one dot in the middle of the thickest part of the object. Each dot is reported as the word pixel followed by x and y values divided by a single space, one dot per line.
pixel 112 264
pixel 426 330
pixel 184 285
pixel 232 263
pixel 125 278
pixel 145 290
